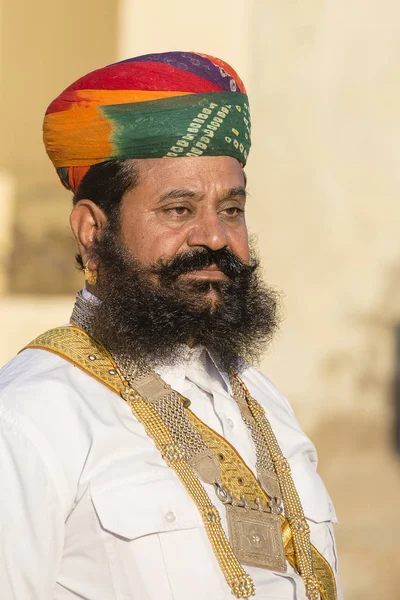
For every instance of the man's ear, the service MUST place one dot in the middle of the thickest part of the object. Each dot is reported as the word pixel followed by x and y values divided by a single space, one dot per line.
pixel 88 222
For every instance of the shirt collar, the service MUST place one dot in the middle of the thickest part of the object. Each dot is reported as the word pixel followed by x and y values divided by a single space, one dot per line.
pixel 198 367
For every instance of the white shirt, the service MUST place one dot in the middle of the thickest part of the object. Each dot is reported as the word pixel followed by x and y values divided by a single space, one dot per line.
pixel 89 509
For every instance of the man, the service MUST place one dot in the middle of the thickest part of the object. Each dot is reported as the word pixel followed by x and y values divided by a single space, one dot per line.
pixel 142 456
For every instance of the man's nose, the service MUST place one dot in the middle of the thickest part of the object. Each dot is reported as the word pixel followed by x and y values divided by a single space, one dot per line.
pixel 208 231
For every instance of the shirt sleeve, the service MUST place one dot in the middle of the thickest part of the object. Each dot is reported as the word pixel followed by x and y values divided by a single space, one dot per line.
pixel 31 519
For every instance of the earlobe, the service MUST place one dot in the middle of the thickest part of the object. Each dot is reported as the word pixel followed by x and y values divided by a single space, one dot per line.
pixel 87 221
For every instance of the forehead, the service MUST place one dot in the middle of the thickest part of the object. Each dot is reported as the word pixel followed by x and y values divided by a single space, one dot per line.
pixel 202 174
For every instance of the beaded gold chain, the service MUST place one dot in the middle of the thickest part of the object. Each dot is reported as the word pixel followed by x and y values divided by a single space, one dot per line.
pixel 78 347
pixel 293 509
pixel 240 582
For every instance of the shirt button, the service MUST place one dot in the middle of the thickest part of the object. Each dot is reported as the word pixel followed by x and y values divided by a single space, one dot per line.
pixel 231 423
pixel 170 517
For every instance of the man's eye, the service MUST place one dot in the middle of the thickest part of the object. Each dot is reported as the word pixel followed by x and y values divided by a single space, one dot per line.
pixel 178 210
pixel 233 211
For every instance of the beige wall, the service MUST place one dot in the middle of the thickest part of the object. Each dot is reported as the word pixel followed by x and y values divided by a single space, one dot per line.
pixel 221 28
pixel 324 184
pixel 324 178
pixel 326 130
pixel 45 45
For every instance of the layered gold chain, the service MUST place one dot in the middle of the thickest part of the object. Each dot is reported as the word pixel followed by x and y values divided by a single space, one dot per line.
pixel 240 582
pixel 161 410
pixel 267 449
pixel 293 508
pixel 75 345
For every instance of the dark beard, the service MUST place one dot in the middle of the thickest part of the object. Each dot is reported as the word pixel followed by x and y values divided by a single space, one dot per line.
pixel 151 314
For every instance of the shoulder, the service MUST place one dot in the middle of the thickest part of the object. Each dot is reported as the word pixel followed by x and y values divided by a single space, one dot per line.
pixel 59 398
pixel 27 365
pixel 294 442
pixel 58 409
pixel 36 383
pixel 259 383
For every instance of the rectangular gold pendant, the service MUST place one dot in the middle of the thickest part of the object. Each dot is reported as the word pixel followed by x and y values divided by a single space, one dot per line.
pixel 256 538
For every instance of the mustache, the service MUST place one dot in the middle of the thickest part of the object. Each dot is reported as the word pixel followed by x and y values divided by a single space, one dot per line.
pixel 224 259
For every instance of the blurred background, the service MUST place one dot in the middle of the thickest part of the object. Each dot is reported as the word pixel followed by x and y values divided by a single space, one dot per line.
pixel 324 180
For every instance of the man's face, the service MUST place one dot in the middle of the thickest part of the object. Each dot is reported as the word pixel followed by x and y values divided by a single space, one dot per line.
pixel 175 268
pixel 183 204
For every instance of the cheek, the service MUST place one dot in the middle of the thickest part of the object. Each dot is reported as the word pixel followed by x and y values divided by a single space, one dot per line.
pixel 133 236
pixel 240 245
pixel 149 241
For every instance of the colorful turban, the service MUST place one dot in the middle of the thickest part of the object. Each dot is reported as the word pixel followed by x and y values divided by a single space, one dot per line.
pixel 158 105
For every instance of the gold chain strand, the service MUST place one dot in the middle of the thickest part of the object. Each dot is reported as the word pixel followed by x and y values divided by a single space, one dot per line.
pixel 239 581
pixel 293 508
pixel 263 459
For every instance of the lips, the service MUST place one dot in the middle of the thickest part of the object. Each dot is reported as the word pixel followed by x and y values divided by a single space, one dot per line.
pixel 202 264
pixel 211 273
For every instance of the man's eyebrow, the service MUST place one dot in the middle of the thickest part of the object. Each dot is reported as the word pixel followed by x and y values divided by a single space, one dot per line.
pixel 236 192
pixel 176 195
pixel 181 193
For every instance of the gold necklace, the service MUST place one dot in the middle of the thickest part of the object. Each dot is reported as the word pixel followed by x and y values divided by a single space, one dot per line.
pixel 247 518
pixel 75 345
pixel 187 445
pixel 293 508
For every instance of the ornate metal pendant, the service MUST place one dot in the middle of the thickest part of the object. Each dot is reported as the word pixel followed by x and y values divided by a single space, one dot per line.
pixel 256 538
pixel 269 483
pixel 206 466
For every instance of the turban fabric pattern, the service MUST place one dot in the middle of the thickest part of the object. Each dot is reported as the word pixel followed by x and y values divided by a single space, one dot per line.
pixel 172 104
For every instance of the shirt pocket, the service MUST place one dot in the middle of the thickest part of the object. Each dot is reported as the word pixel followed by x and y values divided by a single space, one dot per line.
pixel 318 508
pixel 155 541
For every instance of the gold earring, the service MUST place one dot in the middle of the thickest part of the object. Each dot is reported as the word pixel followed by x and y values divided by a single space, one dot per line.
pixel 90 276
